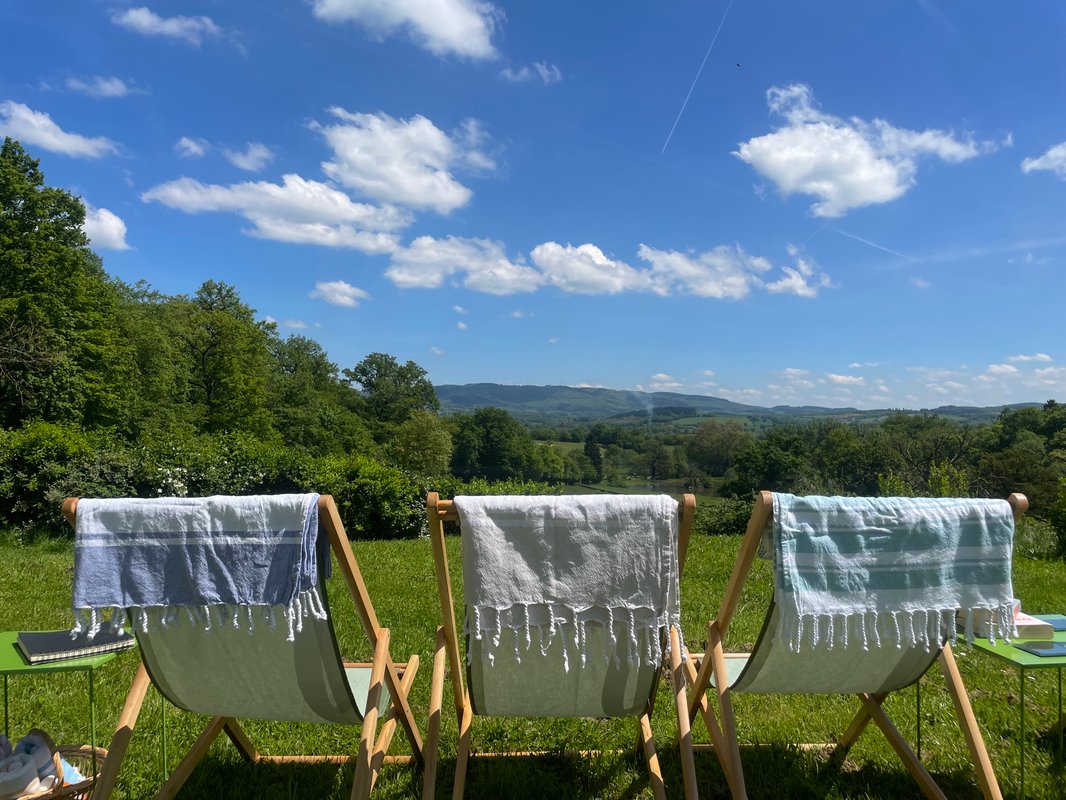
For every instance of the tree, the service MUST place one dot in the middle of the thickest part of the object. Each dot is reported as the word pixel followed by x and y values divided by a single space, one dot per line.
pixel 421 444
pixel 492 444
pixel 60 356
pixel 714 445
pixel 391 391
pixel 311 408
pixel 592 450
pixel 228 358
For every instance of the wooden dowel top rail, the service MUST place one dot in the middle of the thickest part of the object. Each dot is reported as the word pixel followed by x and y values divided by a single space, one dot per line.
pixel 446 511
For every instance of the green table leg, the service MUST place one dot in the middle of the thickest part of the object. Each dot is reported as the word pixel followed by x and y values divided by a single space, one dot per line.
pixel 918 715
pixel 1021 755
pixel 92 718
pixel 163 704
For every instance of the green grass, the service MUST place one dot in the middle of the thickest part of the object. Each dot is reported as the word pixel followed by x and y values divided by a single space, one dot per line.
pixel 35 594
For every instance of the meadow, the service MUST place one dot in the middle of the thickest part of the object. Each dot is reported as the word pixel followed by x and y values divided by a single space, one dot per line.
pixel 35 586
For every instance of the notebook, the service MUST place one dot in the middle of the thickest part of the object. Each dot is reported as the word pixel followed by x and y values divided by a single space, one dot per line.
pixel 1043 649
pixel 41 647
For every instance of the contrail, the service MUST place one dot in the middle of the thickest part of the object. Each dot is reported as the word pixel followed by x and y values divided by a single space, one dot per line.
pixel 694 80
pixel 874 244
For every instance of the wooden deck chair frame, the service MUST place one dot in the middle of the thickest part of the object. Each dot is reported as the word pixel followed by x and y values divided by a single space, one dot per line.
pixel 447 647
pixel 701 669
pixel 397 677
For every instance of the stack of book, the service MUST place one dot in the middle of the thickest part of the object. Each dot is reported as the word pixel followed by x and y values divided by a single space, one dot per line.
pixel 1041 627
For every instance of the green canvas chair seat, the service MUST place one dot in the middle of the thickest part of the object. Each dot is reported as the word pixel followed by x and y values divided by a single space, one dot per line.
pixel 538 687
pixel 260 675
pixel 772 668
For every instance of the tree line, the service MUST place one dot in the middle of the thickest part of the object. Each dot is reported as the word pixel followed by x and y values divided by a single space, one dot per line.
pixel 107 387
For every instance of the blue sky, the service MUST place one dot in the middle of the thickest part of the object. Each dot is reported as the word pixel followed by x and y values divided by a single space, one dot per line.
pixel 839 203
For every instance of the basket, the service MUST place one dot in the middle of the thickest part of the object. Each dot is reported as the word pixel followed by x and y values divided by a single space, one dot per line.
pixel 78 756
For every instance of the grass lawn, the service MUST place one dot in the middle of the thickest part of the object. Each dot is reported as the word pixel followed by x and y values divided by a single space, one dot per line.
pixel 35 585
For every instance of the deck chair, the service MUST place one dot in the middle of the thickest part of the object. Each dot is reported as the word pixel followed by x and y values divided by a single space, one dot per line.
pixel 257 674
pixel 871 673
pixel 511 677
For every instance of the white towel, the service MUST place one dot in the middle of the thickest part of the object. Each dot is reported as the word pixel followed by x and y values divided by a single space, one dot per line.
pixel 533 564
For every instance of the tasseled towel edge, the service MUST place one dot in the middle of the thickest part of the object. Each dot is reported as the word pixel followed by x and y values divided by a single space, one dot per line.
pixel 924 628
pixel 485 624
pixel 241 616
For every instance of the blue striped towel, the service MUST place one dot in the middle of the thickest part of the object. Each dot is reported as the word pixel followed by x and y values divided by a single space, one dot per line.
pixel 892 569
pixel 217 558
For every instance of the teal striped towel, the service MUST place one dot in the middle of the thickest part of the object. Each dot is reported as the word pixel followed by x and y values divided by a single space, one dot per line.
pixel 892 570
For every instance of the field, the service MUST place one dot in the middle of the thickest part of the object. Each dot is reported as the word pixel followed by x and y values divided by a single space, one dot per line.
pixel 35 585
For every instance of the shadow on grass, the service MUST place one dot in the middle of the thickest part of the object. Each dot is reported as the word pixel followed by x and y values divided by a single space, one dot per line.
pixel 782 771
pixel 231 776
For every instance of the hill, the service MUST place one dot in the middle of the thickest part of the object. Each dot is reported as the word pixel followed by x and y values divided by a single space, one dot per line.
pixel 562 404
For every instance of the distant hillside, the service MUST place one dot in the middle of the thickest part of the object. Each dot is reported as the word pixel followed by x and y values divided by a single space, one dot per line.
pixel 560 404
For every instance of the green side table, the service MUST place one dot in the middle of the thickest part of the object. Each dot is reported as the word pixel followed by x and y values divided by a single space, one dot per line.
pixel 12 662
pixel 1023 661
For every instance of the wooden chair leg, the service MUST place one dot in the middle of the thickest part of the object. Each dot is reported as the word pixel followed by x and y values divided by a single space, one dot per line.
pixel 105 781
pixel 363 767
pixel 381 747
pixel 725 710
pixel 986 776
pixel 903 750
pixel 651 757
pixel 698 703
pixel 684 730
pixel 240 740
pixel 192 758
pixel 436 699
pixel 462 752
pixel 854 730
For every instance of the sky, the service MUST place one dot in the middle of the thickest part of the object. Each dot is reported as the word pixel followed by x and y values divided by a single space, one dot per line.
pixel 828 203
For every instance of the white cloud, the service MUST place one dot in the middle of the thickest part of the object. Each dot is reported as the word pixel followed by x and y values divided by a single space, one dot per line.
pixel 426 262
pixel 921 283
pixel 436 351
pixel 553 340
pixel 338 293
pixel 724 272
pixel 461 326
pixel 101 86
pixel 295 324
pixel 1002 370
pixel 709 373
pixel 664 386
pixel 297 210
pixel 845 163
pixel 104 229
pixel 459 27
pixel 586 270
pixel 459 310
pixel 37 129
pixel 1054 160
pixel 846 380
pixel 548 73
pixel 662 376
pixel 1033 357
pixel 147 23
pixel 520 314
pixel 254 157
pixel 408 162
pixel 191 148
pixel 803 280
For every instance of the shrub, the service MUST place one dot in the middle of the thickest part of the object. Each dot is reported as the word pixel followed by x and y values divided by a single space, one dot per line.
pixel 375 500
pixel 450 486
pixel 722 516
pixel 42 463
